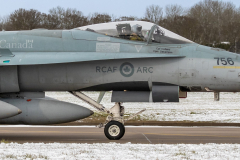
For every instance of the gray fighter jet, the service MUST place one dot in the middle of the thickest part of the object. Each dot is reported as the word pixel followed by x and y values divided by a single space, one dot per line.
pixel 138 61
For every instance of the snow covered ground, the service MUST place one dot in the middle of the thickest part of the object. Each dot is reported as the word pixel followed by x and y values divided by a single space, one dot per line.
pixel 197 107
pixel 119 151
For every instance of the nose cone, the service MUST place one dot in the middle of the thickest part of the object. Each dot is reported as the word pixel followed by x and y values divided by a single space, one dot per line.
pixel 19 111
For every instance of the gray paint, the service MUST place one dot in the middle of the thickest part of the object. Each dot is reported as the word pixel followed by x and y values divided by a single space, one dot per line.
pixel 8 110
pixel 77 76
pixel 165 93
pixel 9 79
pixel 41 112
pixel 157 94
pixel 6 53
pixel 42 60
pixel 130 96
pixel 23 95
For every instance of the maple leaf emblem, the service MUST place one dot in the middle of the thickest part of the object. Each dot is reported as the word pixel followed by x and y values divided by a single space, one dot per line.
pixel 126 69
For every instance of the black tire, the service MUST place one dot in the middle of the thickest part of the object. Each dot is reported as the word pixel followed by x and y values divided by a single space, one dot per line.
pixel 114 130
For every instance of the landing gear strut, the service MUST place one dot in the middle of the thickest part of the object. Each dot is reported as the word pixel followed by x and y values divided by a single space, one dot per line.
pixel 114 124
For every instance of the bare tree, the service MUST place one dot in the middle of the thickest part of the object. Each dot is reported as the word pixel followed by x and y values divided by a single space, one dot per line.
pixel 214 17
pixel 231 32
pixel 55 17
pixel 1 23
pixel 154 13
pixel 126 18
pixel 60 18
pixel 184 26
pixel 5 24
pixel 208 22
pixel 173 11
pixel 74 18
pixel 50 21
pixel 99 18
pixel 25 19
pixel 113 18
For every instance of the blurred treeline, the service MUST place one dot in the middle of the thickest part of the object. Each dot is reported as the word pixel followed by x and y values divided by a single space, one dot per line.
pixel 209 22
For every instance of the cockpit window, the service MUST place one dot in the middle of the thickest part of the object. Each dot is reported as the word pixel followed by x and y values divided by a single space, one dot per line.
pixel 158 35
pixel 137 31
pixel 126 31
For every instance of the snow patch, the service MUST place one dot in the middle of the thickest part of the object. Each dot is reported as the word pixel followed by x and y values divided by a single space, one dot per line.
pixel 118 151
pixel 196 107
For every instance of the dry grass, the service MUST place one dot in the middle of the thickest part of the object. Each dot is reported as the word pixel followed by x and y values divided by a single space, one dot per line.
pixel 4 141
pixel 99 117
pixel 30 156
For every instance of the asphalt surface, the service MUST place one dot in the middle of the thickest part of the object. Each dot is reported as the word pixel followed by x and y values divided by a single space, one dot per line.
pixel 143 135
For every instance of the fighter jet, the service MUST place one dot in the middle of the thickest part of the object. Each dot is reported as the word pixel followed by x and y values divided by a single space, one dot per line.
pixel 137 61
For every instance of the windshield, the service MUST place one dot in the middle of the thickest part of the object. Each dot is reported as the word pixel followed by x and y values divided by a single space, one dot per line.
pixel 137 31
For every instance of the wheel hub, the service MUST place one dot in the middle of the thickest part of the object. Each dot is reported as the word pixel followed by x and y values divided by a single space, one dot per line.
pixel 114 130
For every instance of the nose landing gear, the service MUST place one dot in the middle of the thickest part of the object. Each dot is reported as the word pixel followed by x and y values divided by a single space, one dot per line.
pixel 114 124
pixel 114 130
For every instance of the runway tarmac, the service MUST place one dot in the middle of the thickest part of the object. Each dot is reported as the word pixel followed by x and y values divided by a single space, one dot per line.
pixel 143 135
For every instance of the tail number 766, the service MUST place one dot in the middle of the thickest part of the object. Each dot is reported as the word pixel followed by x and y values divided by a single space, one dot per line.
pixel 224 61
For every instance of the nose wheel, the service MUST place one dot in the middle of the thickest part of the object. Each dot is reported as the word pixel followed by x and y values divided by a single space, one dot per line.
pixel 114 124
pixel 114 130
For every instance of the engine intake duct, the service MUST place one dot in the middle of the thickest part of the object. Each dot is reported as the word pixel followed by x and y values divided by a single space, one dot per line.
pixel 158 94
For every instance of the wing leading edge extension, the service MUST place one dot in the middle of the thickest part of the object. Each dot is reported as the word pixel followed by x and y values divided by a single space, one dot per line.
pixel 34 58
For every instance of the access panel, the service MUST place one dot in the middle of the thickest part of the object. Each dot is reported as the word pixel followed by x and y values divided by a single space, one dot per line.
pixel 9 79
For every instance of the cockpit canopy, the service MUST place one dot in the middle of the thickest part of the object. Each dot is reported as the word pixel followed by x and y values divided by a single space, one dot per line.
pixel 137 31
